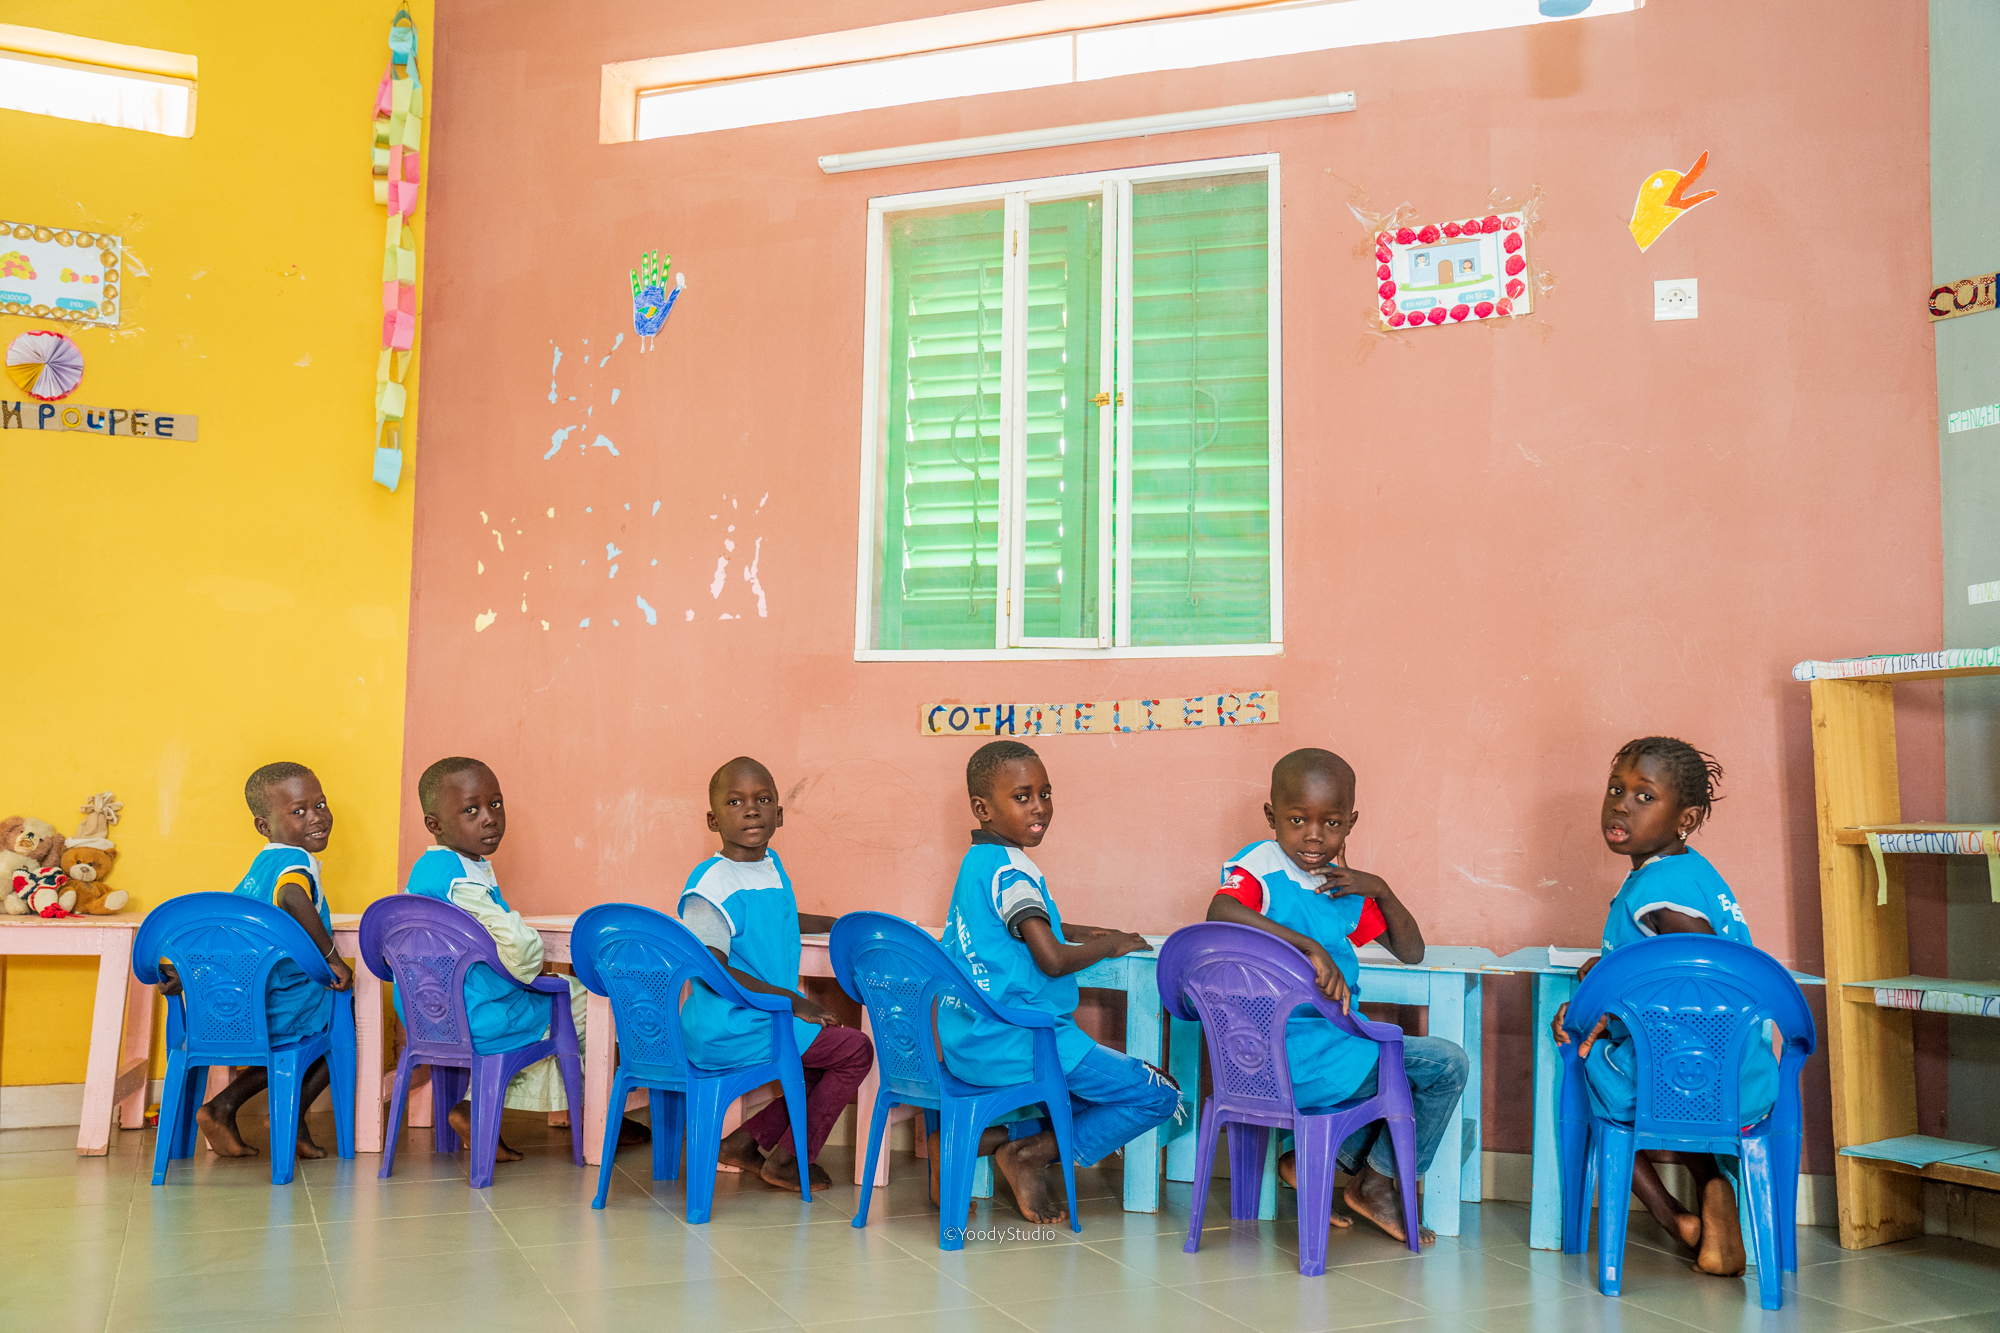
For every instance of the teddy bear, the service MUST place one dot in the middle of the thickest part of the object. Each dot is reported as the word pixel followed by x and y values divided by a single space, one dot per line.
pixel 87 893
pixel 30 849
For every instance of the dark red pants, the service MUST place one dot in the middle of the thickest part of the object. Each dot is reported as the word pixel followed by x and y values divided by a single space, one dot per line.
pixel 835 1064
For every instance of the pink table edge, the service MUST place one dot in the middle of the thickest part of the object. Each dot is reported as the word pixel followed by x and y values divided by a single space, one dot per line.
pixel 121 1019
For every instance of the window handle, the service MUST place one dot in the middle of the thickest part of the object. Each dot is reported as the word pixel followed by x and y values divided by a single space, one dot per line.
pixel 1104 400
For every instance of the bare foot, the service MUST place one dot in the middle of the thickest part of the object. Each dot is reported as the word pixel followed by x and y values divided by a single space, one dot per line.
pixel 1024 1163
pixel 740 1151
pixel 1375 1197
pixel 1721 1236
pixel 306 1148
pixel 781 1171
pixel 1288 1174
pixel 460 1121
pixel 1688 1225
pixel 221 1134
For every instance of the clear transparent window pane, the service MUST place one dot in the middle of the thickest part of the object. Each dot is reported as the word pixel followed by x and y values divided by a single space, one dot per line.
pixel 939 490
pixel 1060 542
pixel 1201 487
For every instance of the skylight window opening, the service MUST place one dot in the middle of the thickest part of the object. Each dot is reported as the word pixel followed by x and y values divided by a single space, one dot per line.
pixel 99 83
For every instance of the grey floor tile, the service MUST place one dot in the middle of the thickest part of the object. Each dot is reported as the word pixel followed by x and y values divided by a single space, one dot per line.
pixel 974 1319
pixel 1971 1323
pixel 813 1245
pixel 562 1225
pixel 1155 1309
pixel 1453 1281
pixel 1006 1272
pixel 64 1136
pixel 373 1199
pixel 325 1321
pixel 1725 1305
pixel 374 1283
pixel 630 1261
pixel 720 1305
pixel 1226 1252
pixel 62 1231
pixel 88 1186
pixel 219 1207
pixel 1893 1291
pixel 410 1237
pixel 1292 1304
pixel 833 1294
pixel 156 1254
pixel 68 1291
pixel 515 1312
pixel 219 1298
pixel 1574 1314
pixel 1937 1256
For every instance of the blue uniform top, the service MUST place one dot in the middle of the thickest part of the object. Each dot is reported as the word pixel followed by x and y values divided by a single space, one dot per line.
pixel 1690 885
pixel 502 1015
pixel 756 898
pixel 1327 1064
pixel 295 1005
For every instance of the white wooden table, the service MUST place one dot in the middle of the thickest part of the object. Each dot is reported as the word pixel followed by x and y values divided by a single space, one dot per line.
pixel 121 1020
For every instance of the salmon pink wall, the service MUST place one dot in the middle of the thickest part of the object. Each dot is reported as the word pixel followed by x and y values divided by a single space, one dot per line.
pixel 1508 550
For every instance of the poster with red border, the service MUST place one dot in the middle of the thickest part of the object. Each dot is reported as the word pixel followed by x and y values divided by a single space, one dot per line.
pixel 1453 272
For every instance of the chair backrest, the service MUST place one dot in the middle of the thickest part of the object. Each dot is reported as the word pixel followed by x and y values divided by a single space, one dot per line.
pixel 426 946
pixel 900 974
pixel 643 960
pixel 224 946
pixel 1694 1004
pixel 1243 984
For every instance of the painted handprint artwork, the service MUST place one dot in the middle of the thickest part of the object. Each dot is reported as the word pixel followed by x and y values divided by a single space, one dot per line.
pixel 651 301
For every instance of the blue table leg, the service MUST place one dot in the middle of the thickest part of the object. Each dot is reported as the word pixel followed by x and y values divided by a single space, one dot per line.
pixel 1442 1181
pixel 1143 1042
pixel 1545 1201
pixel 1184 1063
pixel 1472 1178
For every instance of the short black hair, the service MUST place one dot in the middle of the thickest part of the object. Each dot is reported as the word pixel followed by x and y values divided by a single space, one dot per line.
pixel 432 782
pixel 1311 763
pixel 987 760
pixel 716 778
pixel 256 792
pixel 1693 773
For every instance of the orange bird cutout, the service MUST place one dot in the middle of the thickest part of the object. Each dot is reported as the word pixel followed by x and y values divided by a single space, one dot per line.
pixel 1662 200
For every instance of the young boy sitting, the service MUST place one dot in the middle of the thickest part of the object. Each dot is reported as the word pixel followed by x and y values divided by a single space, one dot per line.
pixel 289 810
pixel 1007 936
pixel 1295 886
pixel 739 903
pixel 464 811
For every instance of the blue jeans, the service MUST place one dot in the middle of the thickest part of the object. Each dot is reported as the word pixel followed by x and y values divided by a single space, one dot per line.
pixel 1113 1098
pixel 1437 1076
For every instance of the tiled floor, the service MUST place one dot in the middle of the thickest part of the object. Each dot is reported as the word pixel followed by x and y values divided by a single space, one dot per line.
pixel 90 1244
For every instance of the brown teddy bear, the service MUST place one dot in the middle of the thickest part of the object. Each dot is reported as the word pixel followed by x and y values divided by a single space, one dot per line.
pixel 87 894
pixel 33 848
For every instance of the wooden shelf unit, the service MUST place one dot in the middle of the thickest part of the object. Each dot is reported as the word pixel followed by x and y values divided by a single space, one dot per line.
pixel 1873 1062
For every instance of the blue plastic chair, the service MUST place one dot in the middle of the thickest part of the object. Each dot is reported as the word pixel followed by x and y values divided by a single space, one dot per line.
pixel 426 946
pixel 1243 984
pixel 643 960
pixel 900 974
pixel 224 946
pixel 1693 1005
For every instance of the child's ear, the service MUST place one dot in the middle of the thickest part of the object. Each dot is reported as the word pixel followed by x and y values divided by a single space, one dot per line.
pixel 432 824
pixel 1270 817
pixel 981 811
pixel 713 827
pixel 781 820
pixel 263 826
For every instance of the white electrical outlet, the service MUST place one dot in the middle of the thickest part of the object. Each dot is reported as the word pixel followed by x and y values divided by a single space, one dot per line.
pixel 1674 298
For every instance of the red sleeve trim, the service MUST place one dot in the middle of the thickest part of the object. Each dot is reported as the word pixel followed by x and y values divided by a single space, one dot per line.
pixel 1373 923
pixel 1244 887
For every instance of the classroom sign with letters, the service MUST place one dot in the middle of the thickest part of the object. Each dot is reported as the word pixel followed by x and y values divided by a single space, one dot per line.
pixel 97 420
pixel 55 273
pixel 1967 296
pixel 1101 717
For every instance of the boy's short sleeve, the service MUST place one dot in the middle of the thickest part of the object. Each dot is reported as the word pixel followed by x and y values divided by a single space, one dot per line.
pixel 1245 888
pixel 1017 900
pixel 706 922
pixel 1372 924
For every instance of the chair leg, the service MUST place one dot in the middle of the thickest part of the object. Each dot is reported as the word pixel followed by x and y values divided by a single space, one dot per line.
pixel 489 1092
pixel 572 1076
pixel 445 1093
pixel 958 1145
pixel 1785 1193
pixel 1614 1190
pixel 704 1145
pixel 282 1091
pixel 1312 1168
pixel 187 1132
pixel 1403 1138
pixel 1573 1158
pixel 1757 1182
pixel 676 1103
pixel 392 1132
pixel 793 1084
pixel 1060 1120
pixel 340 1067
pixel 1246 1168
pixel 173 1105
pixel 663 1148
pixel 621 1088
pixel 1206 1129
pixel 877 1127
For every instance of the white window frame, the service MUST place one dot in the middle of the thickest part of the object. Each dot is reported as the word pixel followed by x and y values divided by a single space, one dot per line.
pixel 1115 564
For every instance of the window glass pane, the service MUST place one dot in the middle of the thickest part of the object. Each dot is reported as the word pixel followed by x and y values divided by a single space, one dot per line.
pixel 940 485
pixel 1061 542
pixel 1201 490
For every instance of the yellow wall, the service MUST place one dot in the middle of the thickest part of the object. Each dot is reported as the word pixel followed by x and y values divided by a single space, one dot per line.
pixel 182 613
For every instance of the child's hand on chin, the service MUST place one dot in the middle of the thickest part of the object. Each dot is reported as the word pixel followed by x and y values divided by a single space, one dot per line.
pixel 1341 882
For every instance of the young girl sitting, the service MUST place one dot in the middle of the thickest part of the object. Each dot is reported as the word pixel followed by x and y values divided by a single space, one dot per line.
pixel 1660 793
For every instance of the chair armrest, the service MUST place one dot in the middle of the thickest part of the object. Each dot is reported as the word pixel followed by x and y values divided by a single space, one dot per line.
pixel 1021 1018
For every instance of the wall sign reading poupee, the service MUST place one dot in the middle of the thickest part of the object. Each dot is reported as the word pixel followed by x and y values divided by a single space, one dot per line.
pixel 97 420
pixel 1101 717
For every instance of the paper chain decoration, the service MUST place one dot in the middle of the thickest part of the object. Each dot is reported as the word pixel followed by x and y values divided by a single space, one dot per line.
pixel 46 364
pixel 399 135
pixel 651 301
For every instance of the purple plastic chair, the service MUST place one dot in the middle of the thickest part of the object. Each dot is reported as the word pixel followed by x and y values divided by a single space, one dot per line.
pixel 426 947
pixel 1243 985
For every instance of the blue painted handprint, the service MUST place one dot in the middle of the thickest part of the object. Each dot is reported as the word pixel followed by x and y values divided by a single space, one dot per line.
pixel 651 301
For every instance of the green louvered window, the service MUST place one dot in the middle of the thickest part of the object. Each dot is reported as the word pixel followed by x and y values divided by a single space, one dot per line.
pixel 1072 418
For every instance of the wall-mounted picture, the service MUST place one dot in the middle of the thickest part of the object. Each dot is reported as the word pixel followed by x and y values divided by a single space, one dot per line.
pixel 1453 272
pixel 54 273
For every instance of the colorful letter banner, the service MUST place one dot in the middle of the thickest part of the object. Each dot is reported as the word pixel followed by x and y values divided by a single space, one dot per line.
pixel 1249 708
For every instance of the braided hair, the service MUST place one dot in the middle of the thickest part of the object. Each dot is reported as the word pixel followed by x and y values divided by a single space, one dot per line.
pixel 1693 773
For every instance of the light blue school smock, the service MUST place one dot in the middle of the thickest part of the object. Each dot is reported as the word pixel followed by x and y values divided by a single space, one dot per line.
pixel 756 898
pixel 1327 1064
pixel 503 1017
pixel 997 883
pixel 1690 885
pixel 295 1006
